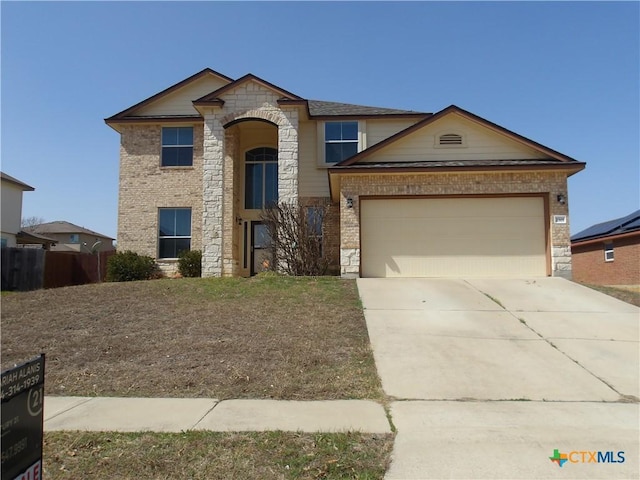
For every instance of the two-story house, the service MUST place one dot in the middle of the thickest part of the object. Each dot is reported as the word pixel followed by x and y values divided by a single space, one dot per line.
pixel 69 237
pixel 409 193
pixel 11 191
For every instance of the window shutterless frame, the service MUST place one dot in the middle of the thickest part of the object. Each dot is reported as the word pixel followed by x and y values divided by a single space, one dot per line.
pixel 177 147
pixel 608 252
pixel 261 178
pixel 174 232
pixel 315 223
pixel 339 140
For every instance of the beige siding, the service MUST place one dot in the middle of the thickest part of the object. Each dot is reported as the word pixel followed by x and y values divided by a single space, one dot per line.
pixel 180 101
pixel 480 144
pixel 256 134
pixel 453 237
pixel 378 130
pixel 11 211
pixel 313 180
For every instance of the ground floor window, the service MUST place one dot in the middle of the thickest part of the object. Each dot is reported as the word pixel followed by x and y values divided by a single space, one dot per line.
pixel 174 231
pixel 315 219
pixel 608 252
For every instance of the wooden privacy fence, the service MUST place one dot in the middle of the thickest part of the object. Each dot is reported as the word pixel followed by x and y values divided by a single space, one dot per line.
pixel 30 269
pixel 22 268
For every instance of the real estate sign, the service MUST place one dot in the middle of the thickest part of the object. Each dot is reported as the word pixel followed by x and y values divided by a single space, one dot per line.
pixel 22 416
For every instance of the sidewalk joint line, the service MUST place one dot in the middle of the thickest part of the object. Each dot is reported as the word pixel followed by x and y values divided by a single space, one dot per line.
pixel 523 322
pixel 215 404
pixel 87 400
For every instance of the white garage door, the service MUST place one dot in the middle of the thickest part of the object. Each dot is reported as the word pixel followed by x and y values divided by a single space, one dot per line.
pixel 453 237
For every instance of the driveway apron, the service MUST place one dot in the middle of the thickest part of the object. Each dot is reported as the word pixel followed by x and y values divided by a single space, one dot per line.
pixel 489 376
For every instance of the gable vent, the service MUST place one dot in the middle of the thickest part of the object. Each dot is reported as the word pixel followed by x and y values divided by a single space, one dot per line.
pixel 450 139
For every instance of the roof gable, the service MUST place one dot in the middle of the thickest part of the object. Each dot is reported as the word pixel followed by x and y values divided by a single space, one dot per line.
pixel 203 81
pixel 214 97
pixel 527 147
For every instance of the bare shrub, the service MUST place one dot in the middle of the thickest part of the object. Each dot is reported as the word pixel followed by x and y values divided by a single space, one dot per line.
pixel 296 238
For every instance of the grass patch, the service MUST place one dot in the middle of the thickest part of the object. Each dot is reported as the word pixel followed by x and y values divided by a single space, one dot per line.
pixel 495 300
pixel 631 296
pixel 263 337
pixel 214 455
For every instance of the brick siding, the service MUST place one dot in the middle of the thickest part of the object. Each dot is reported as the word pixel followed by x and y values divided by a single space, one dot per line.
pixel 589 265
pixel 145 187
pixel 489 183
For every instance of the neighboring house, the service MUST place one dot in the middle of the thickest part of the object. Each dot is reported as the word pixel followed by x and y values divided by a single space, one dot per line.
pixel 72 238
pixel 608 253
pixel 409 193
pixel 12 190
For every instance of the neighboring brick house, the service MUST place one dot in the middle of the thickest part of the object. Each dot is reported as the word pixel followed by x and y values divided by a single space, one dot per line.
pixel 608 253
pixel 72 238
pixel 409 193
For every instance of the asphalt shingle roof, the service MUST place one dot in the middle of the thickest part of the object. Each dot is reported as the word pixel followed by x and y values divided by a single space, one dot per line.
pixel 319 108
pixel 451 163
pixel 626 224
pixel 62 227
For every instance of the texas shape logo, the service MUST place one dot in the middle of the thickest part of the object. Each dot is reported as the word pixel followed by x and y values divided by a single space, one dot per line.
pixel 559 458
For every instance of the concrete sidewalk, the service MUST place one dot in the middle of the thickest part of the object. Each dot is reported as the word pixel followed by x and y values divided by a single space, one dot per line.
pixel 180 414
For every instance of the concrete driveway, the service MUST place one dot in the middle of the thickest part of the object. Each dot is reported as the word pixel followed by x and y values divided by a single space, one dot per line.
pixel 490 376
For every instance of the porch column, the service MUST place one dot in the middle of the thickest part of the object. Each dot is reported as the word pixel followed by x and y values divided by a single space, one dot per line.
pixel 288 156
pixel 349 231
pixel 229 264
pixel 212 196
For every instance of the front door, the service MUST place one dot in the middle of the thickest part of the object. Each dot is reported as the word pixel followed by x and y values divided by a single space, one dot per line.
pixel 260 248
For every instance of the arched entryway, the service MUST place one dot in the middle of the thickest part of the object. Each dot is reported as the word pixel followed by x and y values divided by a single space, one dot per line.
pixel 253 144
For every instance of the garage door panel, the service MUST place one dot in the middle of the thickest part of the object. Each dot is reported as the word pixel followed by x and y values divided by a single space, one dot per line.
pixel 453 237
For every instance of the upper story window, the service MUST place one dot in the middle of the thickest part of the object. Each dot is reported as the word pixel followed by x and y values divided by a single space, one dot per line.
pixel 340 141
pixel 74 238
pixel 260 178
pixel 177 146
pixel 608 252
pixel 174 231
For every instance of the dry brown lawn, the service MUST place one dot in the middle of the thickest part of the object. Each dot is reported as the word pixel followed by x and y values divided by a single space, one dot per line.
pixel 263 337
pixel 626 294
pixel 212 455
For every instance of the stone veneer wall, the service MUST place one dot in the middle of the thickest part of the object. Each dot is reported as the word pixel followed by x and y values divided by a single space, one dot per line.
pixel 247 101
pixel 354 186
pixel 145 187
